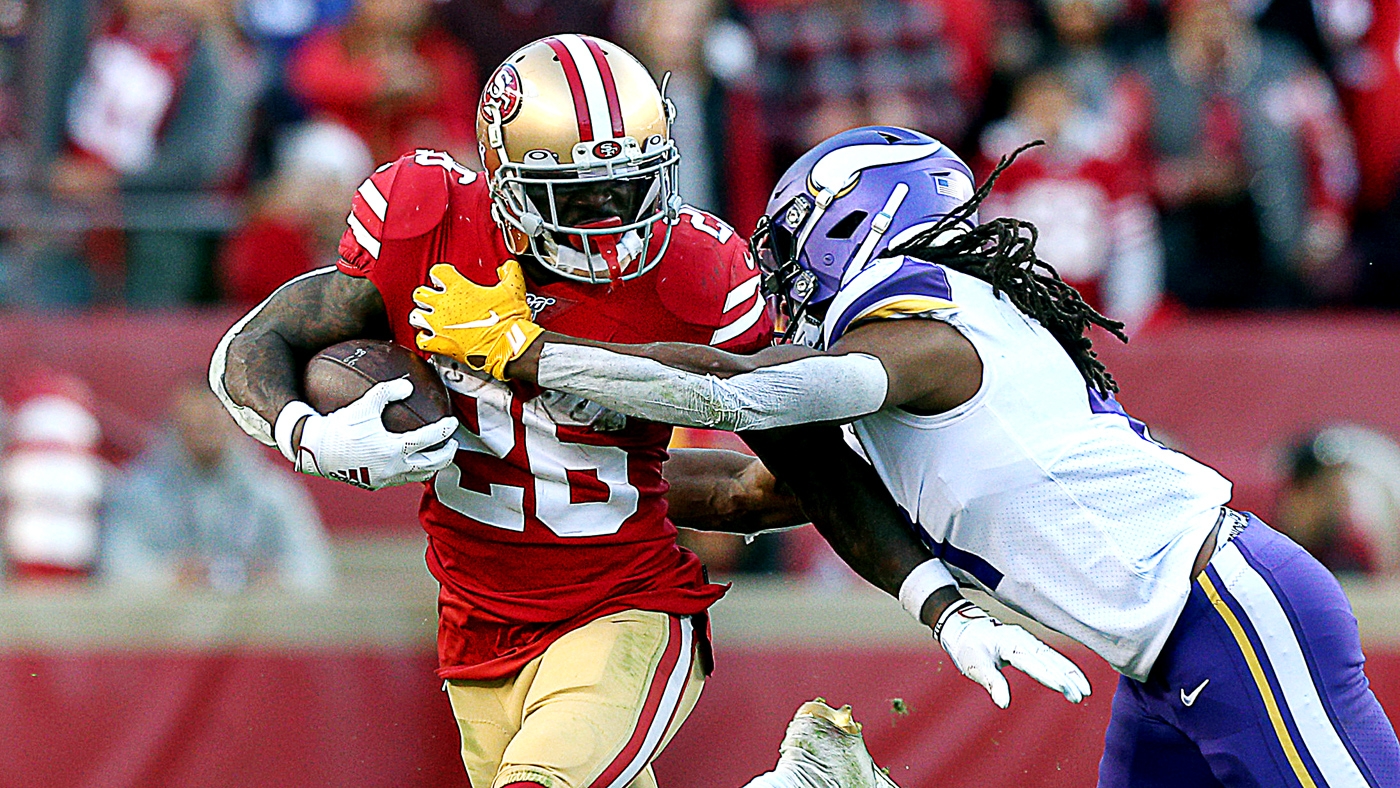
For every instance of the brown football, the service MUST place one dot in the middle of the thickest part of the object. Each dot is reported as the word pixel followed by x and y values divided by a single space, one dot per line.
pixel 341 374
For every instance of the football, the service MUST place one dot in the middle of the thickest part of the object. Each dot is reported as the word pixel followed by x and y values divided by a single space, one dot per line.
pixel 341 374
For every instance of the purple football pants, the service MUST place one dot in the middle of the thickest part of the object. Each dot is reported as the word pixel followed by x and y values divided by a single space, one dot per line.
pixel 1260 684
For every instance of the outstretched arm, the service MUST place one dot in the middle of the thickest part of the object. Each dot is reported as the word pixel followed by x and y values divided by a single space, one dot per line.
pixel 927 365
pixel 851 508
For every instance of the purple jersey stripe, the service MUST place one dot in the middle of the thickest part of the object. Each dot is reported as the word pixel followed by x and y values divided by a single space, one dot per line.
pixel 974 565
pixel 1100 403
pixel 914 278
pixel 1289 723
pixel 1308 656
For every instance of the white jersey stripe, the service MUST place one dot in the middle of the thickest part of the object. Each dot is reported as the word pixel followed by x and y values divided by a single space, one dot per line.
pixel 592 81
pixel 665 711
pixel 1280 643
pixel 740 325
pixel 374 199
pixel 741 293
pixel 369 242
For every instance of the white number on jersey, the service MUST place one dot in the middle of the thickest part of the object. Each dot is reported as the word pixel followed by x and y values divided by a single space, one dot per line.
pixel 436 158
pixel 698 219
pixel 551 460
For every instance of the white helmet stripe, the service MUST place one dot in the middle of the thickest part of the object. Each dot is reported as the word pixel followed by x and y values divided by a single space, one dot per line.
pixel 592 80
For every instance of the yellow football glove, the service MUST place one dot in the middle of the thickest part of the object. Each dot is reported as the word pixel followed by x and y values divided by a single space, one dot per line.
pixel 462 319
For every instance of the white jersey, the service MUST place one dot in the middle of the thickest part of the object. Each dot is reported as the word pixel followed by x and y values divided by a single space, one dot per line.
pixel 1047 496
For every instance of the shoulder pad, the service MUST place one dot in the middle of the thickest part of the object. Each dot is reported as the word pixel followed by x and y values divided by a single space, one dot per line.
pixel 706 264
pixel 408 197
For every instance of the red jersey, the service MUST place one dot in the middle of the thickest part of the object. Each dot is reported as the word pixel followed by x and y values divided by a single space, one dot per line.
pixel 553 512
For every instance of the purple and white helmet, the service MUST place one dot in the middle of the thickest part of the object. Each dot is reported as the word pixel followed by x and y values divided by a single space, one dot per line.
pixel 844 203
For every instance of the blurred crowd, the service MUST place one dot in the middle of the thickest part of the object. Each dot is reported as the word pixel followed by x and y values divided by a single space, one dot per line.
pixel 193 505
pixel 1200 154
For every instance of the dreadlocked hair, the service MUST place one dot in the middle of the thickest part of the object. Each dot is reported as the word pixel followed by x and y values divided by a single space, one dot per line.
pixel 1001 252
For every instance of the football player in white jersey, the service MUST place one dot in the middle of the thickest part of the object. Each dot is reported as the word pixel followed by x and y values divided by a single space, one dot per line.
pixel 961 363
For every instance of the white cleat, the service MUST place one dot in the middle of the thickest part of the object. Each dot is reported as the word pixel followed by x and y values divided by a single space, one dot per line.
pixel 823 748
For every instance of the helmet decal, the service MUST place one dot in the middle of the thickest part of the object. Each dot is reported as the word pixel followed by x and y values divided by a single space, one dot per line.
pixel 502 94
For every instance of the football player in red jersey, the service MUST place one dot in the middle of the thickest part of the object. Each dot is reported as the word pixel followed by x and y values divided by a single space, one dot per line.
pixel 572 629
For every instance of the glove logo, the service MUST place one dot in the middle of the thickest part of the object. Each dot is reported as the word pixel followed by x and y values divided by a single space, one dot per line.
pixel 486 322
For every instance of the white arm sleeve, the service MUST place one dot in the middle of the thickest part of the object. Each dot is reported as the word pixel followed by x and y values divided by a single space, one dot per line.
pixel 818 388
pixel 247 418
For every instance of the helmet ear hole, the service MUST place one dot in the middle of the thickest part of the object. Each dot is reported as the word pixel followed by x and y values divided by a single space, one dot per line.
pixel 847 226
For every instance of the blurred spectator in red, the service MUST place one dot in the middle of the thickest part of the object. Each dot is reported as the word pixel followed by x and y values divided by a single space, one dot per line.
pixel 1255 173
pixel 393 77
pixel 830 65
pixel 52 480
pixel 710 59
pixel 298 216
pixel 203 507
pixel 1342 499
pixel 1364 36
pixel 162 106
pixel 493 29
pixel 1086 193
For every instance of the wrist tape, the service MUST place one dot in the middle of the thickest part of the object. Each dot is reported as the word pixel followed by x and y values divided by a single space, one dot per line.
pixel 926 578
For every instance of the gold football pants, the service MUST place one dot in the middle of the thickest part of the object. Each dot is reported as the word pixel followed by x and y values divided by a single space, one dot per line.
pixel 592 711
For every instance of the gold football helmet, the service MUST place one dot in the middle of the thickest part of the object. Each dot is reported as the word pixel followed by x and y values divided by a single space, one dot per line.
pixel 576 140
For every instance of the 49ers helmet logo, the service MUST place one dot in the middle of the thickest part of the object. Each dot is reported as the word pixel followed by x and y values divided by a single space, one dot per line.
pixel 502 93
pixel 607 149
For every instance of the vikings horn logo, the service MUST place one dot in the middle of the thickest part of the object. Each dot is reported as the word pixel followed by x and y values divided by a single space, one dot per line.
pixel 503 93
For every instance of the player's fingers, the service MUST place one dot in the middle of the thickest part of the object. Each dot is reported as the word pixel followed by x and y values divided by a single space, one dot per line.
pixel 445 277
pixel 991 680
pixel 436 344
pixel 433 460
pixel 1035 665
pixel 1073 675
pixel 512 276
pixel 418 318
pixel 429 434
pixel 381 394
pixel 424 298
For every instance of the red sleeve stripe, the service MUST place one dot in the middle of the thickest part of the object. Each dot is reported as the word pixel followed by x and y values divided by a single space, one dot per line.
pixel 609 86
pixel 741 293
pixel 741 324
pixel 374 199
pixel 659 708
pixel 581 113
pixel 363 236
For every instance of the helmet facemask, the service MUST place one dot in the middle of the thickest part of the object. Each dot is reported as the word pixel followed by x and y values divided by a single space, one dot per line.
pixel 788 285
pixel 592 220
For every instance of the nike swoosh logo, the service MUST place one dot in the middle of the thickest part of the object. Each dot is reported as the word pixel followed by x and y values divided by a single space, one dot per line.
pixel 1189 699
pixel 486 322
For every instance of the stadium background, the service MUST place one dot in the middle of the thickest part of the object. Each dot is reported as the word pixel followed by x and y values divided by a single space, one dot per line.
pixel 1222 175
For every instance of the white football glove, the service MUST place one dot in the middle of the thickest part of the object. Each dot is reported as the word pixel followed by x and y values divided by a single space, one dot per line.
pixel 980 646
pixel 352 445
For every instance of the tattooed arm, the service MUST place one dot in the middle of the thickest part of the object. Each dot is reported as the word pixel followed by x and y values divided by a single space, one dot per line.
pixel 256 373
pixel 257 367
